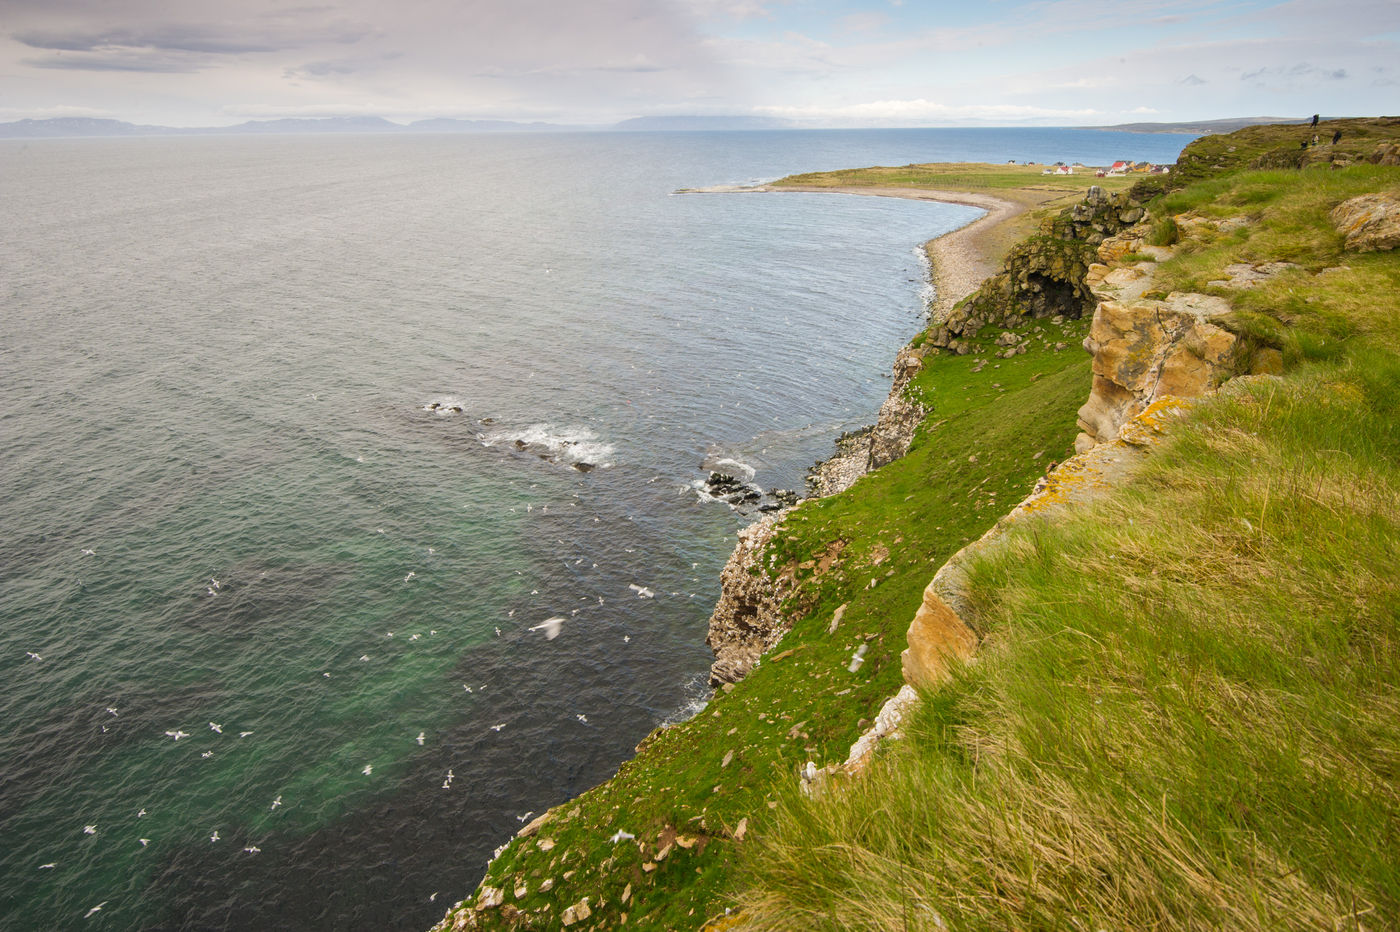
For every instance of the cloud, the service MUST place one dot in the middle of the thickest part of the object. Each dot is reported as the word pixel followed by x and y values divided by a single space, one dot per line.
pixel 210 39
pixel 115 61
pixel 920 110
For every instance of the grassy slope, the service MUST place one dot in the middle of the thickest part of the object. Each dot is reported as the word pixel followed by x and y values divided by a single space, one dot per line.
pixel 1185 711
pixel 801 703
pixel 882 847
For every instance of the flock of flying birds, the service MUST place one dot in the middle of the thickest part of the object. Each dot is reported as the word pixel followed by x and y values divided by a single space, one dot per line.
pixel 550 627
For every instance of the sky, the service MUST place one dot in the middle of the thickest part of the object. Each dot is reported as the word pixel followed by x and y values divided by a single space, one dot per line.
pixel 817 62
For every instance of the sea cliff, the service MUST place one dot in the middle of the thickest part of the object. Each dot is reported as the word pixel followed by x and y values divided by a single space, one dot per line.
pixel 1050 572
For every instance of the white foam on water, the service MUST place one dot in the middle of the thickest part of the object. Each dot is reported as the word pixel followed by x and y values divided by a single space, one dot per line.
pixel 697 696
pixel 567 446
pixel 728 465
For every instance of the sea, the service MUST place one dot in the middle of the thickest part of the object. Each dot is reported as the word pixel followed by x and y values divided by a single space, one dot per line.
pixel 353 486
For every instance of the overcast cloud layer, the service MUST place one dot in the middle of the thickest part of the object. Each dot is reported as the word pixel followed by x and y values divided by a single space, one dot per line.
pixel 879 62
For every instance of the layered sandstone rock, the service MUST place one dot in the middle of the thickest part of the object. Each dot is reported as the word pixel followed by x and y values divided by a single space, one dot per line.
pixel 1370 222
pixel 1146 349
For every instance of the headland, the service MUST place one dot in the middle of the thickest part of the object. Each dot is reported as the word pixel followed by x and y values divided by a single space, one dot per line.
pixel 1130 613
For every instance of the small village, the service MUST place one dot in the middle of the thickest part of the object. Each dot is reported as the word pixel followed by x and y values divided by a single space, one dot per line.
pixel 1115 170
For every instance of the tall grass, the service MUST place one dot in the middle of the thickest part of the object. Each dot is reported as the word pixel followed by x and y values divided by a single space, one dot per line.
pixel 1186 713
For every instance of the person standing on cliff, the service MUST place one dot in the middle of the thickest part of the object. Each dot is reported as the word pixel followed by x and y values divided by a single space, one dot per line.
pixel 1314 121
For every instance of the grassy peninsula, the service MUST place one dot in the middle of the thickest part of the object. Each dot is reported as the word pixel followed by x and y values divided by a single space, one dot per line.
pixel 1184 711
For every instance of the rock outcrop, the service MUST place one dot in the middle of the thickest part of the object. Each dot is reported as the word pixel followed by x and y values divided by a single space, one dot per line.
pixel 886 441
pixel 746 620
pixel 1044 275
pixel 1370 222
pixel 1146 349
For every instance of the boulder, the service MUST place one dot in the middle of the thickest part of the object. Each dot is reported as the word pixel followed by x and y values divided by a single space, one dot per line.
pixel 1370 222
pixel 1146 349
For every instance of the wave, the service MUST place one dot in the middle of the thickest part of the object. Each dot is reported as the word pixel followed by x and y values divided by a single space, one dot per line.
pixel 576 447
pixel 697 695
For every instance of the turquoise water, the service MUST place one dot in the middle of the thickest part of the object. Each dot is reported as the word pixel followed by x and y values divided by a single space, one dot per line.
pixel 232 513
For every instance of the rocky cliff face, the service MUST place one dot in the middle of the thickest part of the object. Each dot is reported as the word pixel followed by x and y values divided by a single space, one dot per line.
pixel 1044 275
pixel 746 621
pixel 1147 347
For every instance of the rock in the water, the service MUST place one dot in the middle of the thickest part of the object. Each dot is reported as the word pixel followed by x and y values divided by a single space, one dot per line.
pixel 732 490
pixel 1370 222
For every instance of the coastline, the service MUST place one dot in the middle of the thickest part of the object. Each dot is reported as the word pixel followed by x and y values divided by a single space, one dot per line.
pixel 746 621
pixel 961 259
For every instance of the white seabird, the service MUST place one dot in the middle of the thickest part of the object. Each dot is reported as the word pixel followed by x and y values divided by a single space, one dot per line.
pixel 498 727
pixel 214 837
pixel 95 909
pixel 642 591
pixel 89 553
pixel 144 841
pixel 369 769
pixel 421 736
pixel 582 718
pixel 252 849
pixel 48 866
pixel 177 734
pixel 276 802
pixel 216 728
pixel 89 829
pixel 620 835
pixel 32 656
pixel 550 627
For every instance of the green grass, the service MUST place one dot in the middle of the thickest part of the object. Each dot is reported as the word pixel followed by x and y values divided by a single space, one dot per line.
pixel 989 436
pixel 1186 709
pixel 1184 713
pixel 1332 296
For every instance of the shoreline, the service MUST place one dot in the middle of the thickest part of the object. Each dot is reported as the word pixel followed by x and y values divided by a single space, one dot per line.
pixel 746 620
pixel 959 258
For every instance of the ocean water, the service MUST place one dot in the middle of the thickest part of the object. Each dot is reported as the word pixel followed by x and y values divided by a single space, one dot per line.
pixel 267 597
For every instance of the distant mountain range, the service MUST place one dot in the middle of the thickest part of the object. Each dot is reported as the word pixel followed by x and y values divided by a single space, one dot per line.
pixel 91 126
pixel 1198 127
